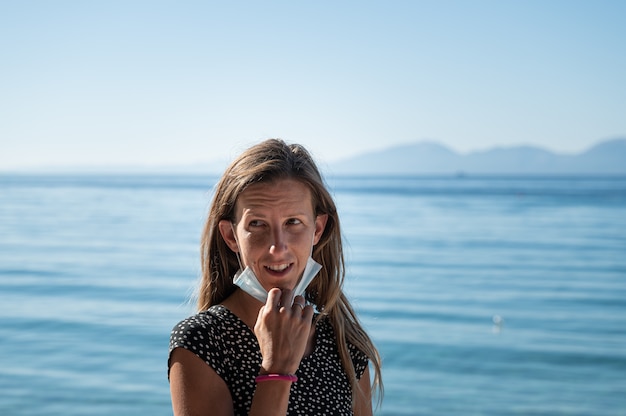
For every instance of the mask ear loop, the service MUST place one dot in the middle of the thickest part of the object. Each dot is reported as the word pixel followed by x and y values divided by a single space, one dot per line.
pixel 232 227
pixel 313 243
pixel 310 257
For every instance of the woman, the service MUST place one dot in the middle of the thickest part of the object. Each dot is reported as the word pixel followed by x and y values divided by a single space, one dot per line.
pixel 261 344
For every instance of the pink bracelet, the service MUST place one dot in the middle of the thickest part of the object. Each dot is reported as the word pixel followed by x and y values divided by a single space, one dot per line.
pixel 283 377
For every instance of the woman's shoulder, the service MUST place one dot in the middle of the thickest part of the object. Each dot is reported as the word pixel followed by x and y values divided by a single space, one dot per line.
pixel 328 334
pixel 211 316
pixel 208 334
pixel 212 322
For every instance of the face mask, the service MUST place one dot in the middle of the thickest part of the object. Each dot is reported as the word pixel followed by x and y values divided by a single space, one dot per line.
pixel 249 283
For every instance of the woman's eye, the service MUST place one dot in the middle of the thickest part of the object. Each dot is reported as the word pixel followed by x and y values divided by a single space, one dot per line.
pixel 255 223
pixel 294 221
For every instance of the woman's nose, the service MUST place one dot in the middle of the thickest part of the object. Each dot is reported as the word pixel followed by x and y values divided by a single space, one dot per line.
pixel 278 241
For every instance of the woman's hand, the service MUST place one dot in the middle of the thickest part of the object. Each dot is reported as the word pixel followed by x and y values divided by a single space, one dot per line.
pixel 282 330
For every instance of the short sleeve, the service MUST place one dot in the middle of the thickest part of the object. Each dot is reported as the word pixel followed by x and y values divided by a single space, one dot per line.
pixel 201 335
pixel 359 360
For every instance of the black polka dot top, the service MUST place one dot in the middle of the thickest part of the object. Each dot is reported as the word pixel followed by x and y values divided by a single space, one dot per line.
pixel 230 347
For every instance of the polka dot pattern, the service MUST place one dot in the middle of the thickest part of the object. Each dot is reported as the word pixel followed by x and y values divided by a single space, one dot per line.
pixel 230 347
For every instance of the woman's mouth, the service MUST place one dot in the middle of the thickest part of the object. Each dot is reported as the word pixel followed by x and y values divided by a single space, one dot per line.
pixel 278 268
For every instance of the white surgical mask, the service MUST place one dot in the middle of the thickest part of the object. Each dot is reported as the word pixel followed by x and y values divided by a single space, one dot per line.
pixel 249 283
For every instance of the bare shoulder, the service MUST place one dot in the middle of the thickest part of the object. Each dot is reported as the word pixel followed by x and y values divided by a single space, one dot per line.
pixel 195 387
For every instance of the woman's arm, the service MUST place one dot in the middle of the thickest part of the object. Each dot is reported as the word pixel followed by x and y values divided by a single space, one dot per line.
pixel 195 387
pixel 282 332
pixel 363 403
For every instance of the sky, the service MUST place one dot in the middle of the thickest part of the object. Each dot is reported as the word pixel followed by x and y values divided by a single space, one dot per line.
pixel 164 83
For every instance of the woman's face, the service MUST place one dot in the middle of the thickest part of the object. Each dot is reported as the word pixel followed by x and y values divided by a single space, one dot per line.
pixel 275 230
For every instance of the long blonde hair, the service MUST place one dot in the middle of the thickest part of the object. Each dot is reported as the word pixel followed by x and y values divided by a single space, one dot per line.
pixel 265 162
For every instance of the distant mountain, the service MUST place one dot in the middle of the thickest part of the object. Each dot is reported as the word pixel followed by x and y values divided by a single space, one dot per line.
pixel 608 157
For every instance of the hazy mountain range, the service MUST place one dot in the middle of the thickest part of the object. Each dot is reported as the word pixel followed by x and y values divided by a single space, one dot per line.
pixel 607 157
pixel 427 157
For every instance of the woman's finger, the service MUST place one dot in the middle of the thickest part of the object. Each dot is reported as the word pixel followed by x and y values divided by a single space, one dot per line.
pixel 286 298
pixel 274 297
pixel 299 302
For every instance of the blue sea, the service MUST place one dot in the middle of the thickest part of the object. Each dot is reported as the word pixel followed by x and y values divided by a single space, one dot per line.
pixel 485 295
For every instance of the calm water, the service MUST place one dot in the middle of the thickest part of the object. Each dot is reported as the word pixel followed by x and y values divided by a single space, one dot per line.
pixel 486 296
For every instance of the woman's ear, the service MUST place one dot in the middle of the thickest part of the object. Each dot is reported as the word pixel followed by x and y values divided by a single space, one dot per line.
pixel 320 226
pixel 227 230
